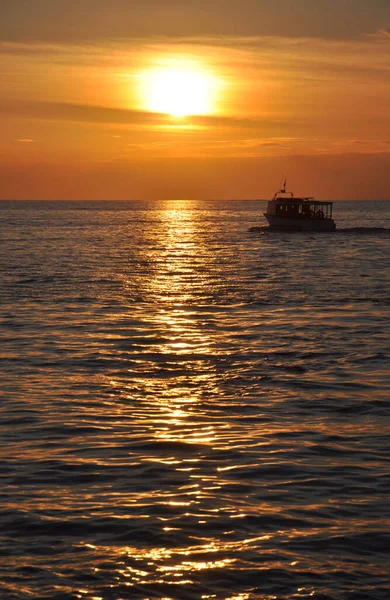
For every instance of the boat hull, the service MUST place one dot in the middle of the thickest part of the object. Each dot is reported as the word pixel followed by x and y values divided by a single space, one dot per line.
pixel 288 224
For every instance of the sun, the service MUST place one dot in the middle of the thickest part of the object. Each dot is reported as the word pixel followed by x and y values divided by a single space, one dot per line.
pixel 178 91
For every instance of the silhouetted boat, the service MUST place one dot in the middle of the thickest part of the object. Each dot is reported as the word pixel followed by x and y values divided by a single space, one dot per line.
pixel 285 211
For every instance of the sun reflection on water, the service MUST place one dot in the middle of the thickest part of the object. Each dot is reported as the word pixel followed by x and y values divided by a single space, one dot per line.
pixel 162 564
pixel 176 372
pixel 170 386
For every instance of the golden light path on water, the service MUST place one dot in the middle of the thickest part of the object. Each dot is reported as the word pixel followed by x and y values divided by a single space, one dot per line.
pixel 170 397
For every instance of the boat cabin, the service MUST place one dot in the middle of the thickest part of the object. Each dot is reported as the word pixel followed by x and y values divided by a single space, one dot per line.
pixel 299 208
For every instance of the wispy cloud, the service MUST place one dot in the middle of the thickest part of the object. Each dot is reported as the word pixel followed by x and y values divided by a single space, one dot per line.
pixel 271 55
pixel 72 20
pixel 90 113
pixel 83 113
pixel 381 34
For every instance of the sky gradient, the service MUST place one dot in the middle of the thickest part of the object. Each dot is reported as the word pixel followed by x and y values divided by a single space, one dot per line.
pixel 299 88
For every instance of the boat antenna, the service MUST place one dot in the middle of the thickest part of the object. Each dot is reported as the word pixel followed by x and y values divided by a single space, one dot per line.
pixel 283 189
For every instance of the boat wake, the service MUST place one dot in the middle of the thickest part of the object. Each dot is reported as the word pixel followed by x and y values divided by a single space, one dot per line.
pixel 358 230
pixel 365 230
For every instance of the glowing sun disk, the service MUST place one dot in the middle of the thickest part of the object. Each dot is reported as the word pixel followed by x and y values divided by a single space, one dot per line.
pixel 178 92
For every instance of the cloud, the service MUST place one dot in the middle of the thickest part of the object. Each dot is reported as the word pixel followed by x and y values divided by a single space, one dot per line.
pixel 381 34
pixel 123 116
pixel 83 113
pixel 99 20
pixel 31 48
pixel 266 52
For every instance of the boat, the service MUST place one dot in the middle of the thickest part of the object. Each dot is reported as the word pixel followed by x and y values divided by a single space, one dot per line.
pixel 286 212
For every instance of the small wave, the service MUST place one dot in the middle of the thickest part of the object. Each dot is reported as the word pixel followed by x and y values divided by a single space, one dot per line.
pixel 259 229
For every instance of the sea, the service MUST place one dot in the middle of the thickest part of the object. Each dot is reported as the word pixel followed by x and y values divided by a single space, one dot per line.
pixel 190 408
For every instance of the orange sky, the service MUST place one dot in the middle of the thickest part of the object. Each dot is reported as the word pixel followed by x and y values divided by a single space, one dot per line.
pixel 81 116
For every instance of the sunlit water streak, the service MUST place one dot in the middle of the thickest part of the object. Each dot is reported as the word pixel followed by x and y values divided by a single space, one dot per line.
pixel 191 409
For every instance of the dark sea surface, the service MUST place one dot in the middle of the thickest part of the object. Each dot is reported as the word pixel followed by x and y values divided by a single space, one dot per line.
pixel 191 410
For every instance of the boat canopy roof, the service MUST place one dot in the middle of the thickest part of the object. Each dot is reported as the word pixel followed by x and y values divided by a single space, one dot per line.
pixel 285 198
pixel 287 201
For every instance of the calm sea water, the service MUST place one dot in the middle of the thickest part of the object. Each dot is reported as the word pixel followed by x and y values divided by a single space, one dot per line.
pixel 190 410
